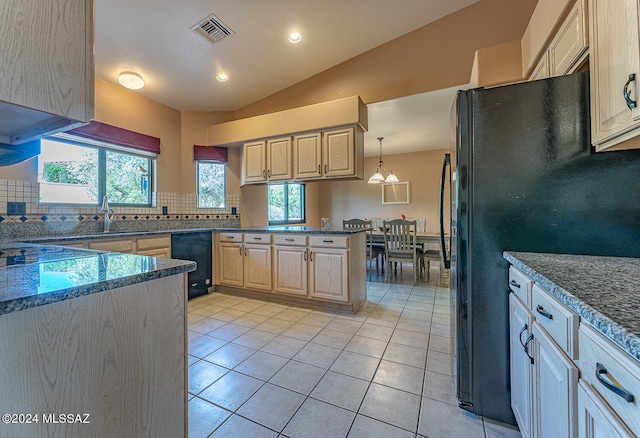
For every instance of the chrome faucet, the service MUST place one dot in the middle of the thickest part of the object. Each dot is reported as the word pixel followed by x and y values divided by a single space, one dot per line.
pixel 109 214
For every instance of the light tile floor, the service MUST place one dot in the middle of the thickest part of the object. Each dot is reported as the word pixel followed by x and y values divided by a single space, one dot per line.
pixel 259 369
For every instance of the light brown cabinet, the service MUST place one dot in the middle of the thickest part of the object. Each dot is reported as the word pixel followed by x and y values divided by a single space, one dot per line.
pixel 266 160
pixel 568 48
pixel 46 67
pixel 317 268
pixel 615 56
pixel 336 153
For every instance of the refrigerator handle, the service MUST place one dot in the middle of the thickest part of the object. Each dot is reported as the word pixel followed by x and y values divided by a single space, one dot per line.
pixel 445 163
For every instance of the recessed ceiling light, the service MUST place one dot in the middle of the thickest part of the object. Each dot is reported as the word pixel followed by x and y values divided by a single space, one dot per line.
pixel 131 80
pixel 295 37
pixel 222 77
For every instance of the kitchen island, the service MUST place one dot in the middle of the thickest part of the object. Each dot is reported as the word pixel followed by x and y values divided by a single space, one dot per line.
pixel 93 343
pixel 304 265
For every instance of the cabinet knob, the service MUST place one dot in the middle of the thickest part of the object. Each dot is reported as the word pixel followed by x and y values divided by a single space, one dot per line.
pixel 520 335
pixel 630 103
pixel 319 170
pixel 514 284
pixel 526 347
pixel 264 173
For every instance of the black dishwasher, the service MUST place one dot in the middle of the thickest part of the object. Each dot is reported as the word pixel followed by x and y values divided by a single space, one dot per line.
pixel 196 247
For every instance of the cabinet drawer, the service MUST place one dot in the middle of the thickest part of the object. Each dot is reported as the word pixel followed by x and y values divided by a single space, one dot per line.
pixel 258 238
pixel 615 367
pixel 230 237
pixel 329 241
pixel 113 245
pixel 520 285
pixel 154 242
pixel 557 320
pixel 288 239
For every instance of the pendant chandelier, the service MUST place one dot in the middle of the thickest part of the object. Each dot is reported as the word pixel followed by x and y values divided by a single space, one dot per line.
pixel 379 177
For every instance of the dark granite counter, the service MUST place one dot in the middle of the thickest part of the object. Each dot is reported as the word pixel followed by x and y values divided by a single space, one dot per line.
pixel 300 229
pixel 35 275
pixel 603 291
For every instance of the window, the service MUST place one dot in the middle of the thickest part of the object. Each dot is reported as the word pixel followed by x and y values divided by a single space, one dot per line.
pixel 76 173
pixel 211 184
pixel 286 203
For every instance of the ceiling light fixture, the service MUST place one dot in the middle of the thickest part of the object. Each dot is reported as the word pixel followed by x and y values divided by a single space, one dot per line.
pixel 222 77
pixel 131 80
pixel 295 37
pixel 378 177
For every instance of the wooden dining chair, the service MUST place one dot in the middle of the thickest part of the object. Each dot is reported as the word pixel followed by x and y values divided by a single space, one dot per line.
pixel 372 250
pixel 400 245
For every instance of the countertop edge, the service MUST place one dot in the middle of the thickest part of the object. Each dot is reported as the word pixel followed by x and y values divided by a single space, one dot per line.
pixel 37 300
pixel 619 335
pixel 125 234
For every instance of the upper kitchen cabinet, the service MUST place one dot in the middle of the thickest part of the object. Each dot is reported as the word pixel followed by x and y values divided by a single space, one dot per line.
pixel 46 67
pixel 266 160
pixel 614 64
pixel 329 154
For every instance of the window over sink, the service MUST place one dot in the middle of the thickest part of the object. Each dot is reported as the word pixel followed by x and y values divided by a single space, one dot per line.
pixel 75 172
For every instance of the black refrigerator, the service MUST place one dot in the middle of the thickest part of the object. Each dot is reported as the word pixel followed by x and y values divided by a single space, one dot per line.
pixel 527 179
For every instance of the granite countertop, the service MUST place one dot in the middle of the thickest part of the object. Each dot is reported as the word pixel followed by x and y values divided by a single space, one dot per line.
pixel 603 291
pixel 35 275
pixel 270 229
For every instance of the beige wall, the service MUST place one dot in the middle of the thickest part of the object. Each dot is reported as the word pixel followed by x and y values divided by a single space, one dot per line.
pixel 357 199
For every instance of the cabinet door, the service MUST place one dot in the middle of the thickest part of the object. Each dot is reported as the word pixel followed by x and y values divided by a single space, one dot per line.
pixel 328 271
pixel 595 418
pixel 254 167
pixel 231 264
pixel 279 159
pixel 307 156
pixel 47 66
pixel 520 320
pixel 613 36
pixel 555 388
pixel 257 267
pixel 338 153
pixel 542 69
pixel 570 41
pixel 126 246
pixel 290 270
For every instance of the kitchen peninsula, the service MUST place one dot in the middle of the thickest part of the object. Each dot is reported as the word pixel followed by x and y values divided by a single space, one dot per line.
pixel 93 343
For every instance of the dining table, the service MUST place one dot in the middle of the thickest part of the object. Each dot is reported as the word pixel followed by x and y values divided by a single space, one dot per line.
pixel 426 238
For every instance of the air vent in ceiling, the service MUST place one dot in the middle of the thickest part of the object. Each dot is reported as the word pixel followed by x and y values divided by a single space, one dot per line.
pixel 212 29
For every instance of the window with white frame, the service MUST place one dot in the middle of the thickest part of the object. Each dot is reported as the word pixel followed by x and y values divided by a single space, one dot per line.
pixel 211 180
pixel 82 173
pixel 286 203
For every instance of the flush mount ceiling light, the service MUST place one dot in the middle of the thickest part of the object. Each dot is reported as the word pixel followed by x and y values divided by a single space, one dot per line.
pixel 131 80
pixel 222 77
pixel 295 37
pixel 378 177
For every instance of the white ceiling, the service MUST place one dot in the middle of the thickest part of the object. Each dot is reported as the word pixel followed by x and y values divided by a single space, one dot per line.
pixel 154 38
pixel 412 123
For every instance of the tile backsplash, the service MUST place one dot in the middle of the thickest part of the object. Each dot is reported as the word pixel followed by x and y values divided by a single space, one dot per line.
pixel 47 219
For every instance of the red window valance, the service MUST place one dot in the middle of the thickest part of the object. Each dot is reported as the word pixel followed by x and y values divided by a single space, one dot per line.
pixel 118 136
pixel 210 153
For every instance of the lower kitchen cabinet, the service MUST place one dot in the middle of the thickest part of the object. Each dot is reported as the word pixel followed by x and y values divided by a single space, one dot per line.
pixel 520 319
pixel 596 418
pixel 555 387
pixel 231 264
pixel 328 273
pixel 544 380
pixel 290 270
pixel 318 268
pixel 567 378
pixel 257 266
